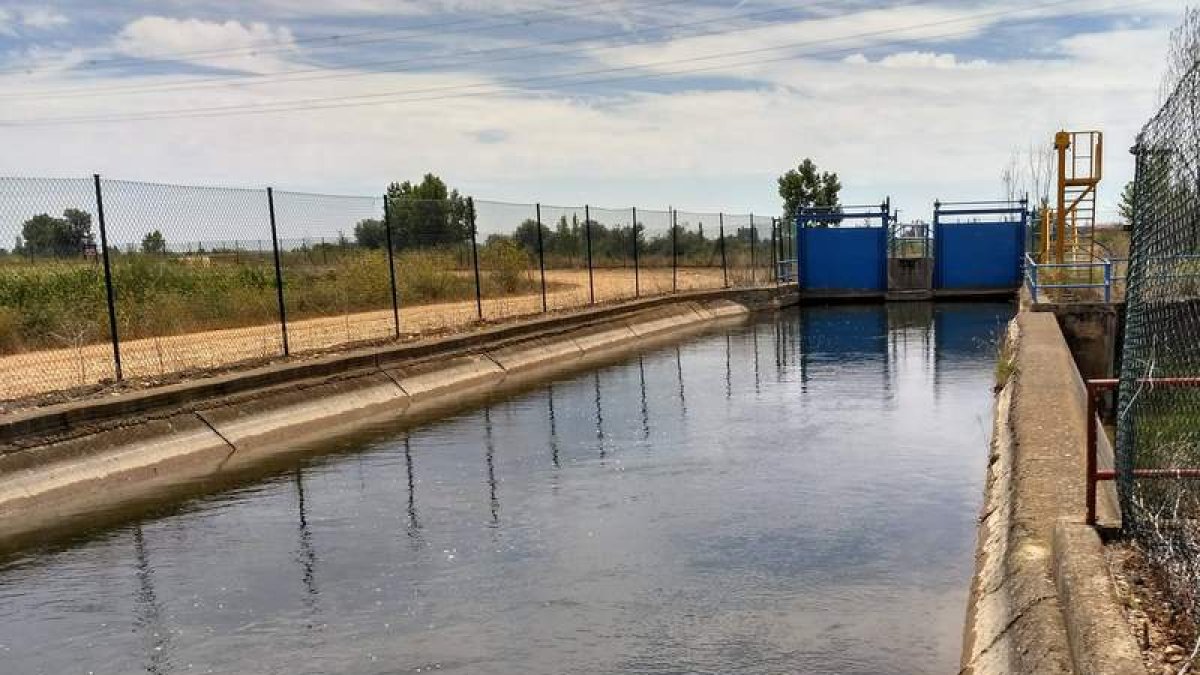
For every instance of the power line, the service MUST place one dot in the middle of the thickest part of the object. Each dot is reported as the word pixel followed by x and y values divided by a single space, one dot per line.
pixel 338 40
pixel 394 96
pixel 338 72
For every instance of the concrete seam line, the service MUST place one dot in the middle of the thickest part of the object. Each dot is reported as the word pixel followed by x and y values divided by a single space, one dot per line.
pixel 1096 626
pixel 488 356
pixel 396 382
pixel 200 416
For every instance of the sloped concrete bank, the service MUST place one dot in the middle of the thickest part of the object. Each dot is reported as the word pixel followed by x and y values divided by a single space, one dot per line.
pixel 85 461
pixel 1042 600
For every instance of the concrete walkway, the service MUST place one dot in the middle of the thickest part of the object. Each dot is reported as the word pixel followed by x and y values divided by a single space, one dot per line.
pixel 1035 484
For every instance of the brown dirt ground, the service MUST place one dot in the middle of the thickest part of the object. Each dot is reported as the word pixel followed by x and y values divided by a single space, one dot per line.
pixel 1165 635
pixel 48 376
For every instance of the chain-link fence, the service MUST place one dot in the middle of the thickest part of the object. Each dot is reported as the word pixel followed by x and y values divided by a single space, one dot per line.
pixel 104 280
pixel 1158 415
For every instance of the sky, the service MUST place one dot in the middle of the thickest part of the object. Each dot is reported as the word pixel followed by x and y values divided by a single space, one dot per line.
pixel 653 103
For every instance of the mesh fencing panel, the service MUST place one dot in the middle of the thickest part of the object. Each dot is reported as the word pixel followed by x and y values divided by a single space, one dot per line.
pixel 333 254
pixel 54 330
pixel 435 263
pixel 699 251
pixel 508 258
pixel 612 253
pixel 740 238
pixel 206 278
pixel 654 257
pixel 193 276
pixel 566 256
pixel 1158 426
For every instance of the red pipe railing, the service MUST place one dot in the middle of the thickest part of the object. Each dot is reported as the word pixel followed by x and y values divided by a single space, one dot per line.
pixel 1094 475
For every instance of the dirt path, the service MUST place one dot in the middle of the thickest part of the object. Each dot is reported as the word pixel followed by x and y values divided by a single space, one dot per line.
pixel 41 372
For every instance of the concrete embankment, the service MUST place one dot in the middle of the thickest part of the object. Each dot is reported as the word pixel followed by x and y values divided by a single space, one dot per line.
pixel 1042 600
pixel 89 460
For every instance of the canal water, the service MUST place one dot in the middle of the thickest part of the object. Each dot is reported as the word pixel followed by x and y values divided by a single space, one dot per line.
pixel 794 495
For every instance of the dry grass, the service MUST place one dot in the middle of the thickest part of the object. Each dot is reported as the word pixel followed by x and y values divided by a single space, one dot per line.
pixel 39 372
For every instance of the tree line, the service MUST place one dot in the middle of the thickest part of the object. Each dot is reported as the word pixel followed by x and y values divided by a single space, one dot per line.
pixel 430 214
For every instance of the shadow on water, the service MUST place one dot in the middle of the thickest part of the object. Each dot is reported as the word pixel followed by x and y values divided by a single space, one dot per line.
pixel 796 494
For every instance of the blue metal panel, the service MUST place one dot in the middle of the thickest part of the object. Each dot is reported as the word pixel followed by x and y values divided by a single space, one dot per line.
pixel 843 259
pixel 981 255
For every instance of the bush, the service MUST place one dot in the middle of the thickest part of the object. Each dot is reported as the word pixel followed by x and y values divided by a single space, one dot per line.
pixel 506 264
pixel 428 276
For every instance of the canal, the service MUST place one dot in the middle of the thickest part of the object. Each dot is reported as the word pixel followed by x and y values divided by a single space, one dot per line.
pixel 798 494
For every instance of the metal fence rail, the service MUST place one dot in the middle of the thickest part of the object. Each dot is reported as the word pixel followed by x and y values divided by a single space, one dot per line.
pixel 107 280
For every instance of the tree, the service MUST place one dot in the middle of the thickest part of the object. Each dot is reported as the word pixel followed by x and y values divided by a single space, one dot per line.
pixel 154 243
pixel 1126 206
pixel 62 237
pixel 428 213
pixel 806 187
pixel 526 234
pixel 370 233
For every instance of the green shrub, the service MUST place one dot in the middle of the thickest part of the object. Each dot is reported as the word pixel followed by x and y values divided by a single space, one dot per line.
pixel 429 276
pixel 506 264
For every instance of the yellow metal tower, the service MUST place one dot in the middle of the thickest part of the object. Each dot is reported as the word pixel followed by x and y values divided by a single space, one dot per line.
pixel 1080 166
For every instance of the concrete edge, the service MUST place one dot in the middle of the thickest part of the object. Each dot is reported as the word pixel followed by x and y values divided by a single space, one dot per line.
pixel 1096 627
pixel 1042 599
pixel 986 647
pixel 42 486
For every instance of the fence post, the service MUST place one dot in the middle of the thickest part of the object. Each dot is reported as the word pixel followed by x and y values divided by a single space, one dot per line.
pixel 541 255
pixel 587 235
pixel 278 272
pixel 387 228
pixel 637 281
pixel 774 254
pixel 674 251
pixel 753 256
pixel 475 258
pixel 1108 280
pixel 724 261
pixel 108 281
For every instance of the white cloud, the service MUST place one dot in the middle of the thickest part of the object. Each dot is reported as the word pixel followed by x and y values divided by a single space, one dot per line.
pixel 917 60
pixel 919 124
pixel 196 41
pixel 43 18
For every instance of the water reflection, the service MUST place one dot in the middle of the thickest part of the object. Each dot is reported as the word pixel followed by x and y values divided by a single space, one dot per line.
pixel 679 377
pixel 782 519
pixel 599 416
pixel 642 392
pixel 306 555
pixel 414 522
pixel 553 441
pixel 148 615
pixel 490 458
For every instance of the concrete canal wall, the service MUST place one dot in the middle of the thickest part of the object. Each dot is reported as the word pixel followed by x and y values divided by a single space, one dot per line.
pixel 1042 600
pixel 67 464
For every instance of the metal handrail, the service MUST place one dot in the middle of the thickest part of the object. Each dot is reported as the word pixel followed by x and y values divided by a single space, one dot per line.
pixel 1032 268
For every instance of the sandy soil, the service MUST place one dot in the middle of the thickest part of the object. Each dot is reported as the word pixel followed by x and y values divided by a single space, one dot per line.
pixel 34 373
